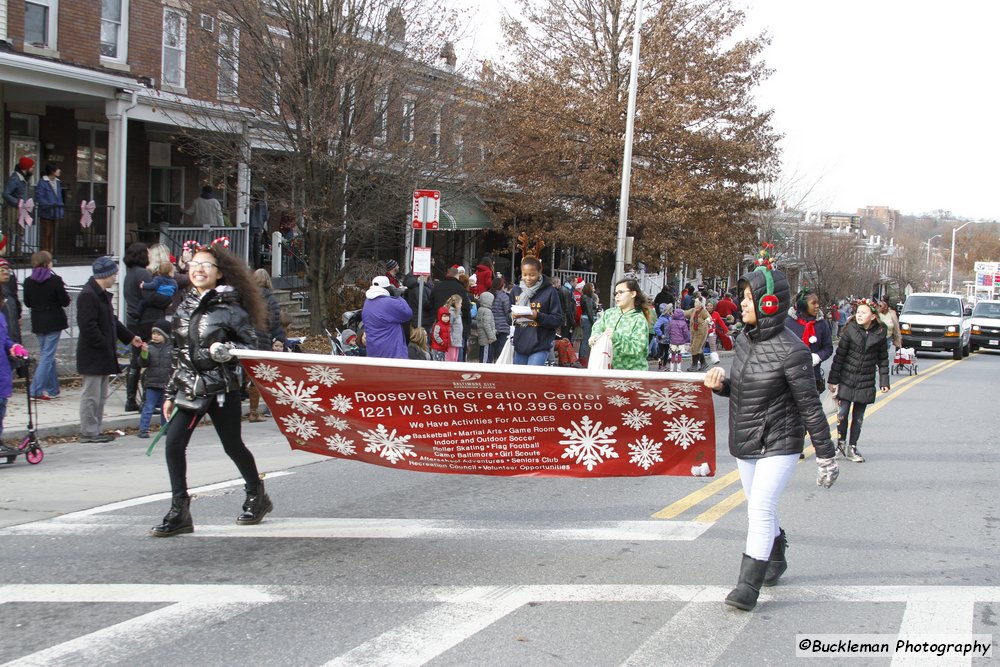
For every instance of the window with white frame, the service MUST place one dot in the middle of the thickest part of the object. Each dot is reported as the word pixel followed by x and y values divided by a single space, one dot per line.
pixel 41 22
pixel 409 107
pixel 114 30
pixel 381 116
pixel 174 46
pixel 229 60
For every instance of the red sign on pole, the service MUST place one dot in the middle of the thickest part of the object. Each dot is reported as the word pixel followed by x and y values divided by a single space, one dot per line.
pixel 488 419
pixel 426 208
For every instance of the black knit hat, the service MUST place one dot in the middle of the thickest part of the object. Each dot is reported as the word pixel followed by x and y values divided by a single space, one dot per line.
pixel 163 326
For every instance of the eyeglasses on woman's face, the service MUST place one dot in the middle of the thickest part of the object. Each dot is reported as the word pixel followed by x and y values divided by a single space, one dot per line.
pixel 204 266
pixel 620 292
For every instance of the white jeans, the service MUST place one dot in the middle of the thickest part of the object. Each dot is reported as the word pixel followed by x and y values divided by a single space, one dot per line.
pixel 763 481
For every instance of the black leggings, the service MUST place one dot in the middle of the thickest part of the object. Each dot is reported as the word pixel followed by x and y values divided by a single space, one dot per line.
pixel 857 419
pixel 227 421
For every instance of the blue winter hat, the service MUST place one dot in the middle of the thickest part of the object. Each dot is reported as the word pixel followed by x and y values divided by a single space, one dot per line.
pixel 104 267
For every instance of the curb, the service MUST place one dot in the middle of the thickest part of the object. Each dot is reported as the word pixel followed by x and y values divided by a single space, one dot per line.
pixel 67 429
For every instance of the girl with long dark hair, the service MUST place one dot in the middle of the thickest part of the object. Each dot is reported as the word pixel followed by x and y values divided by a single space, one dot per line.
pixel 223 310
pixel 629 324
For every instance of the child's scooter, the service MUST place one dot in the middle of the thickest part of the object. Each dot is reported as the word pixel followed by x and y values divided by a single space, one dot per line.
pixel 28 446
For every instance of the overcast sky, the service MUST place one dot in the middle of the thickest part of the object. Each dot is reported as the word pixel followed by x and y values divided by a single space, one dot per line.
pixel 882 102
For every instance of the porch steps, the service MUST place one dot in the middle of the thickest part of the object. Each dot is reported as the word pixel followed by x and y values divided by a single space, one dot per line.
pixel 295 304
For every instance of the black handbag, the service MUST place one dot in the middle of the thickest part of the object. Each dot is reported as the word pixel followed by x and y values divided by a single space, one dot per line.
pixel 199 405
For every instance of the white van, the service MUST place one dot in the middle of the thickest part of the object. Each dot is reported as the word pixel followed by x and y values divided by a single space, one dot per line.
pixel 936 322
pixel 985 325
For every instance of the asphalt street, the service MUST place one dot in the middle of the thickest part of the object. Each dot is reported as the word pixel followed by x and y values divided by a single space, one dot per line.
pixel 363 565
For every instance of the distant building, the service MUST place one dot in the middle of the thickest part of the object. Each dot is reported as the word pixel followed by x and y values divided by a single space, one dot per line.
pixel 888 216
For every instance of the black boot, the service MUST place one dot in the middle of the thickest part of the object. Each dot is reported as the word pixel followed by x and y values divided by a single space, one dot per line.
pixel 255 506
pixel 177 521
pixel 752 572
pixel 776 563
pixel 131 389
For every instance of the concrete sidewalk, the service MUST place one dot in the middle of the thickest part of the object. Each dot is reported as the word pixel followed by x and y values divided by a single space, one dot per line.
pixel 61 417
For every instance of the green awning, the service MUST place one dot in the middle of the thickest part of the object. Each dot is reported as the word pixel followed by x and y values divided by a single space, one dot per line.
pixel 463 213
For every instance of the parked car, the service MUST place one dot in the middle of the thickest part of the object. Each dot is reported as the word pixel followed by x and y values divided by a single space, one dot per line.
pixel 936 322
pixel 985 325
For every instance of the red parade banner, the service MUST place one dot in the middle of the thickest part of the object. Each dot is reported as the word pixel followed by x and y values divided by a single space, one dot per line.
pixel 488 419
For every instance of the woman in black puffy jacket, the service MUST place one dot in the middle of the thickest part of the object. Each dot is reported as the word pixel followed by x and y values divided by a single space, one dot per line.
pixel 222 311
pixel 861 352
pixel 772 403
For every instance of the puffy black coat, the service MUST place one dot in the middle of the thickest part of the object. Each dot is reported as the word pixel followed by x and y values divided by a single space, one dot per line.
pixel 771 388
pixel 158 363
pixel 860 352
pixel 47 300
pixel 217 316
pixel 95 346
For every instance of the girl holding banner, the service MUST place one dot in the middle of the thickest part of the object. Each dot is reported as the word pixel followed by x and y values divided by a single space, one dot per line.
pixel 222 312
pixel 773 402
pixel 628 325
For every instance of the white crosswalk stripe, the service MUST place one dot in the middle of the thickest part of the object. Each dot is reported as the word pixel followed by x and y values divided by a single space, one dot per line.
pixel 698 633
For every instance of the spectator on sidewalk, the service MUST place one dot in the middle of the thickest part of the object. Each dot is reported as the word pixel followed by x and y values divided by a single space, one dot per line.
pixel 45 294
pixel 7 381
pixel 137 272
pixel 385 318
pixel 156 358
pixel 10 305
pixel 96 356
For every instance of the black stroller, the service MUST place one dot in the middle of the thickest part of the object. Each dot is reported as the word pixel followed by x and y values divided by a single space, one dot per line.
pixel 28 446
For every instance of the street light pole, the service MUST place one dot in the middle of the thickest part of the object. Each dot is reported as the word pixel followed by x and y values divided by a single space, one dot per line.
pixel 627 162
pixel 951 268
pixel 936 236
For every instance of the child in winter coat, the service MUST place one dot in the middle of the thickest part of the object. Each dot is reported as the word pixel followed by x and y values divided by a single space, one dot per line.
pixel 416 349
pixel 662 334
pixel 441 334
pixel 486 328
pixel 454 304
pixel 678 334
pixel 156 359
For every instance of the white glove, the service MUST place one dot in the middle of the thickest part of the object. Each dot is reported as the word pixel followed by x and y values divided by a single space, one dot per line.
pixel 220 352
pixel 827 472
pixel 816 359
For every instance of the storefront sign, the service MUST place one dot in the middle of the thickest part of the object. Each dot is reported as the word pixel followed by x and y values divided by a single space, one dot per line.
pixel 487 419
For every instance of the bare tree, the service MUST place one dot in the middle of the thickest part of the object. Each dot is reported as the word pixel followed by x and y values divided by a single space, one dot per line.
pixel 700 142
pixel 347 106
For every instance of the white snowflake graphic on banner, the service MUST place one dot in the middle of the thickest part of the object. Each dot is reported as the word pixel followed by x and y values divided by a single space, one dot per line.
pixel 622 385
pixel 341 403
pixel 588 442
pixel 340 444
pixel 684 430
pixel 618 400
pixel 637 419
pixel 325 375
pixel 265 372
pixel 685 387
pixel 335 422
pixel 645 452
pixel 300 426
pixel 668 400
pixel 297 395
pixel 388 445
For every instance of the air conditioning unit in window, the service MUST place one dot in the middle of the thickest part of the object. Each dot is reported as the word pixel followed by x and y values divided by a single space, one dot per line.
pixel 207 23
